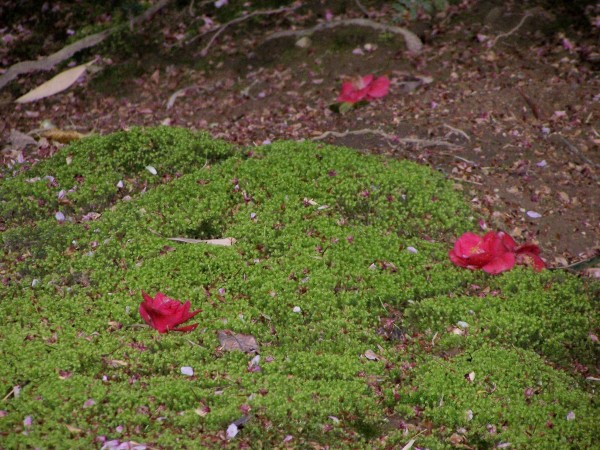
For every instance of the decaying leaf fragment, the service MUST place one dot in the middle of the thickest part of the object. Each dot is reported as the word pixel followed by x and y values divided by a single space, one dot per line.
pixel 231 341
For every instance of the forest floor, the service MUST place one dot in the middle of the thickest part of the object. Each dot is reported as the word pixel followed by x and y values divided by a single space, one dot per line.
pixel 504 99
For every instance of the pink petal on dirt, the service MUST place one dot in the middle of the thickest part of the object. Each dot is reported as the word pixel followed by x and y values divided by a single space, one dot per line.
pixel 542 163
pixel 533 214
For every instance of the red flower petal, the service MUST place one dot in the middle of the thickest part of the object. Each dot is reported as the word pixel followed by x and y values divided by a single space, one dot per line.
pixel 379 88
pixel 501 263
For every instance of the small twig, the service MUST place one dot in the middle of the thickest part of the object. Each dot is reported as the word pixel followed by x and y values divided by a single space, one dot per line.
pixel 362 8
pixel 514 30
pixel 390 137
pixel 413 43
pixel 534 108
pixel 575 151
pixel 458 131
pixel 466 181
pixel 222 28
pixel 468 161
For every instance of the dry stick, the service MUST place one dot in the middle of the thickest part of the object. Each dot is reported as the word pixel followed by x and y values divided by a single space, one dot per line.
pixel 220 30
pixel 458 131
pixel 514 30
pixel 362 8
pixel 575 151
pixel 534 108
pixel 413 43
pixel 389 137
pixel 50 61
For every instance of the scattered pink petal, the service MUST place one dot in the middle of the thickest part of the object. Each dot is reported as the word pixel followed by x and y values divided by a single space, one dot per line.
pixel 571 415
pixel 28 421
pixel 358 51
pixel 328 15
pixel 89 402
pixel 61 194
pixel 119 429
pixel 187 370
pixel 482 224
pixel 288 438
pixel 3 413
pixel 412 250
pixel 221 3
pixel 533 214
pixel 593 337
pixel 542 163
pixel 60 216
pixel 232 431
pixel 120 184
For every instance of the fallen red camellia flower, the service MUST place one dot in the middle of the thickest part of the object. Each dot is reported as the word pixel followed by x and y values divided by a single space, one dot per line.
pixel 495 252
pixel 364 88
pixel 165 314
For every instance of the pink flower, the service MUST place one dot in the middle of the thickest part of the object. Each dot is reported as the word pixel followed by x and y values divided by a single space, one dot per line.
pixel 164 314
pixel 529 255
pixel 492 252
pixel 364 88
pixel 495 252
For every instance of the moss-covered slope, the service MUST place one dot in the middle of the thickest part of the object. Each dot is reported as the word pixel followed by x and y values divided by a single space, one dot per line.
pixel 340 272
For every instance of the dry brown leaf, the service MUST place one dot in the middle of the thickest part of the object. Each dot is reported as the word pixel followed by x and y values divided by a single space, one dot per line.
pixel 371 355
pixel 73 429
pixel 59 83
pixel 64 137
pixel 223 242
pixel 231 341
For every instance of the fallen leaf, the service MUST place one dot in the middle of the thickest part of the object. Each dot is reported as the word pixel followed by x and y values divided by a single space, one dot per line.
pixel 231 341
pixel 224 242
pixel 73 429
pixel 409 445
pixel 59 83
pixel 64 137
pixel 371 355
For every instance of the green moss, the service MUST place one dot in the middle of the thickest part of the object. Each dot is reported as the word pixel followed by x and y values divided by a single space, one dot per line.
pixel 514 397
pixel 317 227
pixel 549 313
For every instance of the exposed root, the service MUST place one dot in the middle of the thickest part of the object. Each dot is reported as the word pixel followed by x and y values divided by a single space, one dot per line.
pixel 413 43
pixel 513 31
pixel 392 139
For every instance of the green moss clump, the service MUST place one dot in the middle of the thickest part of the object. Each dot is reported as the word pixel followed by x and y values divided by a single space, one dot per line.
pixel 512 397
pixel 87 171
pixel 549 313
pixel 321 261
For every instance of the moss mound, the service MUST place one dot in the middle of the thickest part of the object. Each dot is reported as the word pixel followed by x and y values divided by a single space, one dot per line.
pixel 323 275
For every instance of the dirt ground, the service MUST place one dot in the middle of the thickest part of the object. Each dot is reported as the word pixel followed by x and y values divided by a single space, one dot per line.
pixel 504 99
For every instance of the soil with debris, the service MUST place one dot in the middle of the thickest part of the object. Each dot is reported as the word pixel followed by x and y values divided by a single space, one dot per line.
pixel 504 99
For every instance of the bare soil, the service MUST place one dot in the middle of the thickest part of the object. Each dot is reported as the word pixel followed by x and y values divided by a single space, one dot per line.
pixel 515 91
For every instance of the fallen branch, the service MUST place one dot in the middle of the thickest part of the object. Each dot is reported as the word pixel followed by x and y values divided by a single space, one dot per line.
pixel 575 151
pixel 390 137
pixel 457 131
pixel 222 28
pixel 532 105
pixel 48 62
pixel 413 43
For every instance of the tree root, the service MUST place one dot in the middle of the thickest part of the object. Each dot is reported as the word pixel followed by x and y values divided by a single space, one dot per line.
pixel 413 43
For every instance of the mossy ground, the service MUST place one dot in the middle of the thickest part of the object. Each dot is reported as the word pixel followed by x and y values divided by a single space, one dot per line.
pixel 317 227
